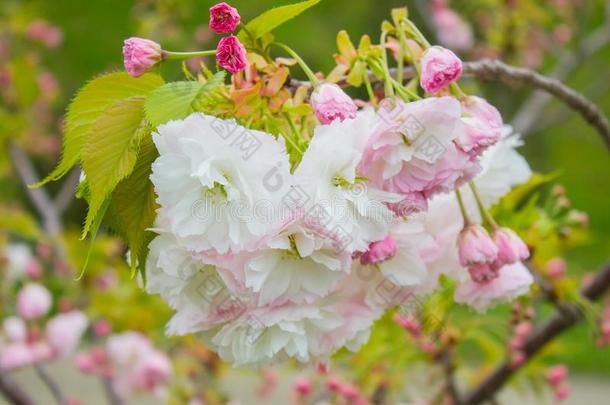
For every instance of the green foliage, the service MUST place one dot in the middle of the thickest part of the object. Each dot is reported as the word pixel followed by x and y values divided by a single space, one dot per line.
pixel 271 19
pixel 19 223
pixel 89 104
pixel 111 150
pixel 132 209
pixel 174 101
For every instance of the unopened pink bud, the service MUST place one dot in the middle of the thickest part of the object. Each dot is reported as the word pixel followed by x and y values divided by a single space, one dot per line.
pixel 557 374
pixel 140 55
pixel 439 68
pixel 475 246
pixel 556 268
pixel 511 247
pixel 303 386
pixel 33 269
pixel 562 392
pixel 330 103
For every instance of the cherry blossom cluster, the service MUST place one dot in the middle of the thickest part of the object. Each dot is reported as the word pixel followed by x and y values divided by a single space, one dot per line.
pixel 272 259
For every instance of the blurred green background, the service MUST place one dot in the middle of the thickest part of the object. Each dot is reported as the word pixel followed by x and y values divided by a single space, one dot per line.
pixel 559 140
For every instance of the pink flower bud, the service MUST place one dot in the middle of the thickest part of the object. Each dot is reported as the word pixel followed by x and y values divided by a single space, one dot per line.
pixel 439 68
pixel 556 268
pixel 451 29
pixel 43 31
pixel 556 375
pixel 223 18
pixel 84 363
pixel 379 251
pixel 517 360
pixel 303 386
pixel 140 55
pixel 33 301
pixel 33 269
pixel 329 103
pixel 102 328
pixel 562 392
pixel 231 54
pixel 475 246
pixel 511 247
pixel 64 331
pixel 333 384
pixel 482 125
pixel 523 329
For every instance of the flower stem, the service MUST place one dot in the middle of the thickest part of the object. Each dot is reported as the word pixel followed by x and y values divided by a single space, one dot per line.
pixel 387 84
pixel 416 33
pixel 467 220
pixel 296 134
pixel 484 213
pixel 369 89
pixel 166 55
pixel 308 72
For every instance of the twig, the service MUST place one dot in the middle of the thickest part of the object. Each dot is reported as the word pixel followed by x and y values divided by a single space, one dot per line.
pixel 50 383
pixel 66 194
pixel 525 117
pixel 496 70
pixel 43 204
pixel 12 391
pixel 113 398
pixel 446 361
pixel 565 317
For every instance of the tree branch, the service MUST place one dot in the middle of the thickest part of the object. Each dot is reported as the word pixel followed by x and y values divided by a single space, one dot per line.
pixel 43 204
pixel 565 316
pixel 50 383
pixel 13 392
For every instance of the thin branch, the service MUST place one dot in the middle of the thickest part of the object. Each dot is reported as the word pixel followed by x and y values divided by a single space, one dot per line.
pixel 497 70
pixel 111 395
pixel 50 383
pixel 66 194
pixel 43 204
pixel 525 117
pixel 565 317
pixel 12 391
pixel 446 362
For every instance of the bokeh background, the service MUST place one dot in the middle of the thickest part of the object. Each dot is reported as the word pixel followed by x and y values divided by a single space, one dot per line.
pixel 560 37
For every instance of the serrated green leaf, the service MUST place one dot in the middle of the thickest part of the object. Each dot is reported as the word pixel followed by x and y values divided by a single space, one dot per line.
pixel 88 105
pixel 111 150
pixel 177 100
pixel 272 19
pixel 133 207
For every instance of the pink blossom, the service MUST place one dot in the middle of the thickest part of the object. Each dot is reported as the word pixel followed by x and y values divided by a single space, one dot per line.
pixel 303 386
pixel 223 18
pixel 43 31
pixel 439 68
pixel 556 268
pixel 412 151
pixel 523 329
pixel 562 392
pixel 64 331
pixel 33 269
pixel 511 247
pixel 451 29
pixel 513 280
pixel 231 54
pixel 475 246
pixel 140 55
pixel 15 355
pixel 482 126
pixel 153 370
pixel 329 103
pixel 556 375
pixel 33 301
pixel 84 362
pixel 517 360
pixel 379 251
pixel 102 327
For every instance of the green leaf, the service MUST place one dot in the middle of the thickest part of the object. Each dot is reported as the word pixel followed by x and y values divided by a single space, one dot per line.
pixel 133 207
pixel 88 105
pixel 177 100
pixel 271 19
pixel 18 222
pixel 111 150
